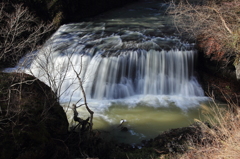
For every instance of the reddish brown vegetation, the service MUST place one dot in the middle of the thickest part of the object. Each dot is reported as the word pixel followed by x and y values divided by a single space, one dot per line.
pixel 212 49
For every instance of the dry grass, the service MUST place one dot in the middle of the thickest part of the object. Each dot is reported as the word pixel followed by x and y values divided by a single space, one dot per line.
pixel 225 132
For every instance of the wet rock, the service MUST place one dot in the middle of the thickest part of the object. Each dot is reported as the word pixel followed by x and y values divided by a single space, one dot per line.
pixel 175 140
pixel 124 129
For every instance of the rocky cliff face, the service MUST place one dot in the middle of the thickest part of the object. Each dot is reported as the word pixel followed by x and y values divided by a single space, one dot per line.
pixel 32 123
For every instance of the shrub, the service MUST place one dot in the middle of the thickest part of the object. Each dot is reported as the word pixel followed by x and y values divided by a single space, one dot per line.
pixel 214 23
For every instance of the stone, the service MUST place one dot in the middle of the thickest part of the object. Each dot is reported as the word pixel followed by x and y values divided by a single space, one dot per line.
pixel 33 124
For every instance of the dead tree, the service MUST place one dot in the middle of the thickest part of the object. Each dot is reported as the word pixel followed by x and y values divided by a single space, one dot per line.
pixel 84 124
pixel 84 95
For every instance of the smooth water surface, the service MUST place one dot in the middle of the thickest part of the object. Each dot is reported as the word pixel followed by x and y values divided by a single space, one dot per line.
pixel 142 122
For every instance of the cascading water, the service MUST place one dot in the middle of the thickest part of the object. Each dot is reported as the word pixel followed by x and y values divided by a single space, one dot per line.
pixel 111 68
pixel 124 63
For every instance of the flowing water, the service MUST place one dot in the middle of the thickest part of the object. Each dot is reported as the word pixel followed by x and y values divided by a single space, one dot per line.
pixel 132 66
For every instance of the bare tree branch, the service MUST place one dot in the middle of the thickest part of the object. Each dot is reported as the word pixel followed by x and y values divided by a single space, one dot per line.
pixel 83 92
pixel 214 23
pixel 20 32
pixel 223 21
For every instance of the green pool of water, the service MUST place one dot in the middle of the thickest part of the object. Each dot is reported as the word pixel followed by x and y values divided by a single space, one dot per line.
pixel 142 122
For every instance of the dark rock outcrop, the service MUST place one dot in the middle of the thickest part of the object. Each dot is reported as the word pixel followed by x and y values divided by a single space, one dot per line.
pixel 32 123
pixel 176 140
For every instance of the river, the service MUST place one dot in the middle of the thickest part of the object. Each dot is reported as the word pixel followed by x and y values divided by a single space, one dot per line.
pixel 133 67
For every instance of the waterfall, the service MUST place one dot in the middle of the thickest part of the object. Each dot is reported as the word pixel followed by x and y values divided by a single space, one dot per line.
pixel 126 56
pixel 114 66
pixel 132 66
pixel 141 72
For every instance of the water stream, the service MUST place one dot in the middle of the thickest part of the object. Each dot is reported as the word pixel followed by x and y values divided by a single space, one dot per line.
pixel 133 67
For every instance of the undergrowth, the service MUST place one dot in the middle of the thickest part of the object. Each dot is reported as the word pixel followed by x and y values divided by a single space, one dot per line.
pixel 225 131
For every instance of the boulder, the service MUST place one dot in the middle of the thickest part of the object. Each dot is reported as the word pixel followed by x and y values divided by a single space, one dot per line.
pixel 32 123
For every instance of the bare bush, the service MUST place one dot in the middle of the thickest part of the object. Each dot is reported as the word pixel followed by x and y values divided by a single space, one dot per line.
pixel 64 77
pixel 20 32
pixel 56 65
pixel 215 23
